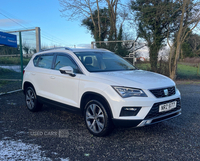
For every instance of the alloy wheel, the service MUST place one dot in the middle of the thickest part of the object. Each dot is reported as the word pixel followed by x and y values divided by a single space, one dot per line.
pixel 30 99
pixel 95 118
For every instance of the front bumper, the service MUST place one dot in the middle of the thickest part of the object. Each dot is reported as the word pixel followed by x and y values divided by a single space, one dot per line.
pixel 153 116
pixel 140 123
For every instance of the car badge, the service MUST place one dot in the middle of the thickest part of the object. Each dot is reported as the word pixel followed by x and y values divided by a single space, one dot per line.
pixel 166 92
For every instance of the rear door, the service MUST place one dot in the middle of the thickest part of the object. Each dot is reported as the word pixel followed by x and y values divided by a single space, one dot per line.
pixel 41 74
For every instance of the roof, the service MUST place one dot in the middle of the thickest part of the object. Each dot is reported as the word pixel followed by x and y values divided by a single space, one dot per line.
pixel 75 49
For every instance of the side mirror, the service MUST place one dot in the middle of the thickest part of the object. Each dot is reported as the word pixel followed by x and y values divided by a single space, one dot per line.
pixel 67 70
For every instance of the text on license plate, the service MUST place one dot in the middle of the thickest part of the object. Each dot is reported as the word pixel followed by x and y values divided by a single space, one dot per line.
pixel 167 106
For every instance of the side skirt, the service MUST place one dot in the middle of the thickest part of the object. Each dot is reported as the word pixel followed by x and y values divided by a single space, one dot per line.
pixel 59 105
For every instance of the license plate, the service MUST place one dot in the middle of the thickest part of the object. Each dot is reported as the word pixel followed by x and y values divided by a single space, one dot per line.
pixel 167 106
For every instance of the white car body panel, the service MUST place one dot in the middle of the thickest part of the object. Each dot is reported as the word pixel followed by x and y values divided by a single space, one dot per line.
pixel 69 90
pixel 64 88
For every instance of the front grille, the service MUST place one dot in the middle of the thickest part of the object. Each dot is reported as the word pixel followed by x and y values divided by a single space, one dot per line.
pixel 154 112
pixel 159 93
pixel 165 117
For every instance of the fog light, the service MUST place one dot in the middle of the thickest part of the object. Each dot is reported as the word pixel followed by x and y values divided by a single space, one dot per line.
pixel 129 111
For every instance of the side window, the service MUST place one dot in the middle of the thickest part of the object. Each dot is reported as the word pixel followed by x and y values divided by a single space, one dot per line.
pixel 45 61
pixel 62 61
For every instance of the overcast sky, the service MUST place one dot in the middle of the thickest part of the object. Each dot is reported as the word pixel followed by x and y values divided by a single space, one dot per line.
pixel 23 14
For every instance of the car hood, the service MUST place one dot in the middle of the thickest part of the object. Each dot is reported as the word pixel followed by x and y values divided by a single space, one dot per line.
pixel 136 78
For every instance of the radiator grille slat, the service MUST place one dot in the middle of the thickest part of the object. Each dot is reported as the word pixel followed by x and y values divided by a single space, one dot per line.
pixel 159 93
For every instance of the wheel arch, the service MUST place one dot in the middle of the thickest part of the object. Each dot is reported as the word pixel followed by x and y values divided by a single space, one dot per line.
pixel 26 85
pixel 92 95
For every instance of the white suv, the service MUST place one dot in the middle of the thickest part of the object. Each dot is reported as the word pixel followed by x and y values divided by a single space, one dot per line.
pixel 106 89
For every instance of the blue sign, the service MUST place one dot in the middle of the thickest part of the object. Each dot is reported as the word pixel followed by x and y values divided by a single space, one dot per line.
pixel 8 39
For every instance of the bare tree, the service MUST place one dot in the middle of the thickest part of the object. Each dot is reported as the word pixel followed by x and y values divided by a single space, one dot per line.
pixel 26 48
pixel 112 6
pixel 99 20
pixel 33 51
pixel 190 18
pixel 194 40
pixel 86 8
pixel 81 8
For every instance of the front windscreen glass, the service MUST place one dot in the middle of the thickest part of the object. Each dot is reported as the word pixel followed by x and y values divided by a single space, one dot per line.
pixel 103 61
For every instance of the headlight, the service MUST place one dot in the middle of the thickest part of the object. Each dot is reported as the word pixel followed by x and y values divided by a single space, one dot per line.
pixel 129 92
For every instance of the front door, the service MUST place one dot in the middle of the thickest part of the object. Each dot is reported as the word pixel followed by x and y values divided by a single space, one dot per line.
pixel 64 88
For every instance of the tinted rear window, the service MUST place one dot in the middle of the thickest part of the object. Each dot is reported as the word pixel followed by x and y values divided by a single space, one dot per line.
pixel 45 61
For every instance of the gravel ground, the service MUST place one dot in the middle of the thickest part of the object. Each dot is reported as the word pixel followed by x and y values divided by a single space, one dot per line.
pixel 10 86
pixel 175 139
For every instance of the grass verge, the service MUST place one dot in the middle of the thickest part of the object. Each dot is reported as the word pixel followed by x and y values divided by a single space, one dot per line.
pixel 9 74
pixel 184 72
pixel 13 60
pixel 187 72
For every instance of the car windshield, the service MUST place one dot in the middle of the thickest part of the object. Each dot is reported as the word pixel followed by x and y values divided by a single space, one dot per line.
pixel 103 61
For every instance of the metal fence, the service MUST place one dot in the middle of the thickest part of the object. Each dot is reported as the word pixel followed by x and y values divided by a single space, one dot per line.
pixel 12 64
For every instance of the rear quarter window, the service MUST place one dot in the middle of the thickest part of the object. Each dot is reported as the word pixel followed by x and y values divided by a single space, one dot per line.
pixel 35 60
pixel 45 61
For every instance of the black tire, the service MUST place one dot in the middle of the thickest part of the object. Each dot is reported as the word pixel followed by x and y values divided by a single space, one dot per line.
pixel 31 100
pixel 97 118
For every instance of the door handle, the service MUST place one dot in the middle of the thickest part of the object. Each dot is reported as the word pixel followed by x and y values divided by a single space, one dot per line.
pixel 52 77
pixel 33 73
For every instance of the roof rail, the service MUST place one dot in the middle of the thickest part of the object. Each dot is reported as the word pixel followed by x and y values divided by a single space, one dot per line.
pixel 56 48
pixel 102 49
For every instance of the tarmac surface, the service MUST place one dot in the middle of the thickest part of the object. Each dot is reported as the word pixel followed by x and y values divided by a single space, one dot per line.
pixel 53 134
